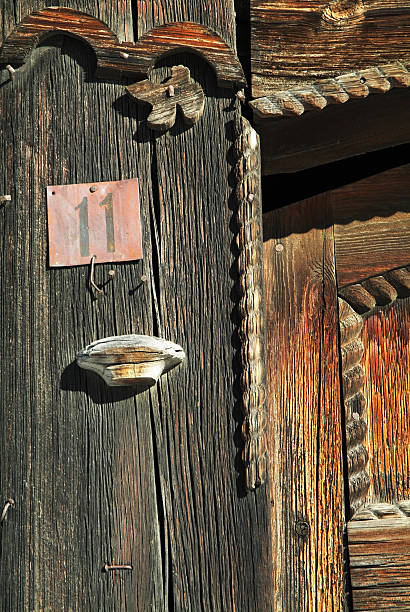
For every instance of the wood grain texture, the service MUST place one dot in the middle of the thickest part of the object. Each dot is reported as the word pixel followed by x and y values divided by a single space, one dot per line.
pixel 251 312
pixel 179 91
pixel 148 480
pixel 305 445
pixel 379 553
pixel 123 59
pixel 294 43
pixel 337 132
pixel 74 457
pixel 372 226
pixel 386 362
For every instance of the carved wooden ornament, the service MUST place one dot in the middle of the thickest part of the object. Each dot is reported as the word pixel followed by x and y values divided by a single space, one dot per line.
pixel 117 59
pixel 180 91
pixel 124 361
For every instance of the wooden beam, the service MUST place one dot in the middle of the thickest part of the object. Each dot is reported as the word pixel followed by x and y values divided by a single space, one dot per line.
pixel 379 554
pixel 295 43
pixel 304 408
pixel 339 131
pixel 372 225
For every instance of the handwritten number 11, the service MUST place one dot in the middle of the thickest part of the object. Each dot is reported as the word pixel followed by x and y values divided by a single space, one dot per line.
pixel 107 203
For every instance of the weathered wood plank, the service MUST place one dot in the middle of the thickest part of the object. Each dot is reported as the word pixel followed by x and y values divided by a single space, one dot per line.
pixel 337 132
pixel 380 563
pixel 296 42
pixel 372 225
pixel 304 408
pixel 386 364
pixel 74 457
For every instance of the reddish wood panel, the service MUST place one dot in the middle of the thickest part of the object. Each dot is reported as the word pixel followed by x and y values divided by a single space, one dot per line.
pixel 386 362
pixel 304 409
pixel 298 42
pixel 379 554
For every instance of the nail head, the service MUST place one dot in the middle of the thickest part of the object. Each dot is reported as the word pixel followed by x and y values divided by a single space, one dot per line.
pixel 302 528
pixel 124 55
pixel 93 188
pixel 279 248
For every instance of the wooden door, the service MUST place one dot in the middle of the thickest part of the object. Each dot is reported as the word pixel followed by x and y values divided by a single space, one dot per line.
pixel 152 480
pixel 338 314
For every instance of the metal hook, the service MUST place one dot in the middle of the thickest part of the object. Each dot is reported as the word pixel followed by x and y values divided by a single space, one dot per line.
pixel 111 274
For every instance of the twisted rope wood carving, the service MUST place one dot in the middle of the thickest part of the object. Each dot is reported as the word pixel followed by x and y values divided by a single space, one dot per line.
pixel 354 302
pixel 352 350
pixel 383 511
pixel 377 291
pixel 246 152
pixel 349 86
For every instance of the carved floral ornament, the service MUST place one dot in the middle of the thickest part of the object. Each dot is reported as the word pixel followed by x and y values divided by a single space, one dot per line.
pixel 135 60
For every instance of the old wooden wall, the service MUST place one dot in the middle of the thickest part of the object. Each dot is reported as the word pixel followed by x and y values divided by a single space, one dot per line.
pixel 98 476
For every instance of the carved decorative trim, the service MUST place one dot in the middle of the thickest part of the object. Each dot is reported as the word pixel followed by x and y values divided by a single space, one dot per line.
pixel 383 511
pixel 377 291
pixel 180 91
pixel 352 349
pixel 129 59
pixel 247 193
pixel 355 301
pixel 355 85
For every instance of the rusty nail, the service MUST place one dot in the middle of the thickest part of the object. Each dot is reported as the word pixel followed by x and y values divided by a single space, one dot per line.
pixel 111 568
pixel 241 95
pixel 9 502
pixel 302 528
pixel 5 198
pixel 10 70
pixel 171 91
pixel 93 188
pixel 124 55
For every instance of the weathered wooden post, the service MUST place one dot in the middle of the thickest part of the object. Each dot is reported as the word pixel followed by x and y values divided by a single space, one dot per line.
pixel 148 485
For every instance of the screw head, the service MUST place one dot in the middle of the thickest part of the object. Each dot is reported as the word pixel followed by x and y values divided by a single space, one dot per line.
pixel 93 188
pixel 302 528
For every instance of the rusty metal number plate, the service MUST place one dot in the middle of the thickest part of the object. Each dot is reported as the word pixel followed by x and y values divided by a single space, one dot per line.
pixel 101 219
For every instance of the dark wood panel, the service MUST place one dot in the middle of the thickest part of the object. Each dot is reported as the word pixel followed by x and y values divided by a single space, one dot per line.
pixel 290 144
pixel 304 408
pixel 75 457
pixel 297 42
pixel 156 479
pixel 380 563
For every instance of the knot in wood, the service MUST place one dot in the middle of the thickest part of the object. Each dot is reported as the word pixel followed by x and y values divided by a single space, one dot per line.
pixel 179 91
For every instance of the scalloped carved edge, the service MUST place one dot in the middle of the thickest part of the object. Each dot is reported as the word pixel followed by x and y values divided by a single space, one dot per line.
pixel 356 301
pixel 355 85
pixel 251 329
pixel 129 59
